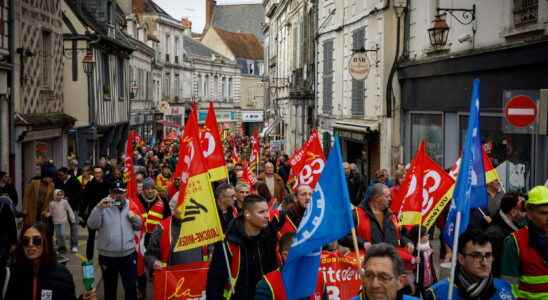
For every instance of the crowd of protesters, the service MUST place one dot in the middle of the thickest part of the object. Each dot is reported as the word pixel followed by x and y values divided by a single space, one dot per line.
pixel 502 240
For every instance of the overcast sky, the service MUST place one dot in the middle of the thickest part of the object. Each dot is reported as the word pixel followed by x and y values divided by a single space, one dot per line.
pixel 193 9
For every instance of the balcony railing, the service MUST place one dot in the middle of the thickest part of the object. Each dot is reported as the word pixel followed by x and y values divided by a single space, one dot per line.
pixel 525 12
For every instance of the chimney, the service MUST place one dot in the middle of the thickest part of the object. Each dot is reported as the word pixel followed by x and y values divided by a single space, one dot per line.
pixel 186 23
pixel 210 7
pixel 139 7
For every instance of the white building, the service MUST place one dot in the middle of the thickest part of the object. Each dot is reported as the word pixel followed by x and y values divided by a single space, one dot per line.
pixel 356 110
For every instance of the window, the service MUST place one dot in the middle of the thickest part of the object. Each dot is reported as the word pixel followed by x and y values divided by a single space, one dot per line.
pixel 105 70
pixel 251 68
pixel 327 77
pixel 167 47
pixel 176 50
pixel 358 86
pixel 148 86
pixel 215 87
pixel 428 128
pixel 206 87
pixel 230 87
pixel 46 59
pixel 141 84
pixel 295 63
pixel 177 87
pixel 199 87
pixel 4 24
pixel 525 12
pixel 165 88
pixel 121 79
pixel 225 88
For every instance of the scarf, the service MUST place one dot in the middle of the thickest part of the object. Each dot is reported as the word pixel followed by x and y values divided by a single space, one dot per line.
pixel 474 290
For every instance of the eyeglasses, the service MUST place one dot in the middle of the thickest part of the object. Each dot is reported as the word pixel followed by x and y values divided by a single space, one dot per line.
pixel 36 240
pixel 478 256
pixel 382 277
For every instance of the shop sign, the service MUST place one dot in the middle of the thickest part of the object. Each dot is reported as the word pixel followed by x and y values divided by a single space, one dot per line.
pixel 252 116
pixel 222 116
pixel 359 66
pixel 350 135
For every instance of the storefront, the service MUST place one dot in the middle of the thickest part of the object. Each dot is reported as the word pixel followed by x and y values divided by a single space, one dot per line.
pixel 228 118
pixel 360 144
pixel 252 120
pixel 435 103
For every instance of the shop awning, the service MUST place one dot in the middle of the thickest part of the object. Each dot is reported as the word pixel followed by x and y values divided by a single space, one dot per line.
pixel 45 120
pixel 364 126
pixel 269 127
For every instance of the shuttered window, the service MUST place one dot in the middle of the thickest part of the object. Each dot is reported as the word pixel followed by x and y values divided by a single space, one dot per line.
pixel 328 76
pixel 358 86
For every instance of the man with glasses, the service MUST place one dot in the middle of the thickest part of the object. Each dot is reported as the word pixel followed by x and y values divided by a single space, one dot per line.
pixel 473 278
pixel 383 276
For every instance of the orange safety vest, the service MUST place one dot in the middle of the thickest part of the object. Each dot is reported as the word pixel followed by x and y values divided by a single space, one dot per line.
pixel 234 251
pixel 165 242
pixel 363 229
pixel 153 217
pixel 533 281
pixel 277 288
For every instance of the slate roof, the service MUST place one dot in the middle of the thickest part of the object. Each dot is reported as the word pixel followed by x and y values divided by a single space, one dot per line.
pixel 194 48
pixel 242 45
pixel 240 18
pixel 151 7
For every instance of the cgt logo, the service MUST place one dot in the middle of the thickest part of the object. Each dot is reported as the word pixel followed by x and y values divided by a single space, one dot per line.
pixel 431 183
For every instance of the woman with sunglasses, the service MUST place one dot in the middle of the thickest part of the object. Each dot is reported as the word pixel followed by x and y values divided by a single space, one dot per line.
pixel 36 273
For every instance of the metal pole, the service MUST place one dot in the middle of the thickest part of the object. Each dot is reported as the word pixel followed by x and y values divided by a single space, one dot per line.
pixel 454 257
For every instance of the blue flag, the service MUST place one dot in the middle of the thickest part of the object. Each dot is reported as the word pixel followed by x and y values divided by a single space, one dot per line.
pixel 327 219
pixel 470 191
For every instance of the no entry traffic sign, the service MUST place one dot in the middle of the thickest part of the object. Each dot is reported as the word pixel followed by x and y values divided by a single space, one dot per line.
pixel 521 111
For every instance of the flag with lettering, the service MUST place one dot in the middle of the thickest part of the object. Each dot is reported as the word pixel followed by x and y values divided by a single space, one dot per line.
pixel 327 219
pixel 255 149
pixel 470 189
pixel 196 203
pixel 213 147
pixel 308 162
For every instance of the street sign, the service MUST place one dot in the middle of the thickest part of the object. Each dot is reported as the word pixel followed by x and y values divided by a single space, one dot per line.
pixel 521 111
pixel 359 65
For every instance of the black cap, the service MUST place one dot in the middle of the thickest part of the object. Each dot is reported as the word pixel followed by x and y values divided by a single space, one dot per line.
pixel 117 187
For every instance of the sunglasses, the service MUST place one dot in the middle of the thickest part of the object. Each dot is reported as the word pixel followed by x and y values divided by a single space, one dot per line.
pixel 36 240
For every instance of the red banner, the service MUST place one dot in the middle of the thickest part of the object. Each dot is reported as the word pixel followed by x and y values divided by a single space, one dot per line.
pixel 247 176
pixel 308 162
pixel 341 275
pixel 255 148
pixel 411 202
pixel 181 282
pixel 213 147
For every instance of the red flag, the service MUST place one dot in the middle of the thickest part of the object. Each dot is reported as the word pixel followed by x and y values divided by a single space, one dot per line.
pixel 411 205
pixel 235 156
pixel 308 162
pixel 255 148
pixel 247 175
pixel 213 147
pixel 134 203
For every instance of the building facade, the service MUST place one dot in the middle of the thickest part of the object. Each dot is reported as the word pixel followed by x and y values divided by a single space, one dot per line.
pixel 144 110
pixel 289 50
pixel 357 110
pixel 93 33
pixel 216 79
pixel 7 58
pixel 41 126
pixel 171 75
pixel 505 45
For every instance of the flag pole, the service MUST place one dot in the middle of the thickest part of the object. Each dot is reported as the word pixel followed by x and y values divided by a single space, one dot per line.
pixel 231 280
pixel 419 251
pixel 454 256
pixel 355 241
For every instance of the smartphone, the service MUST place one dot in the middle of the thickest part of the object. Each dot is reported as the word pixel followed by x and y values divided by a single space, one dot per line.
pixel 117 203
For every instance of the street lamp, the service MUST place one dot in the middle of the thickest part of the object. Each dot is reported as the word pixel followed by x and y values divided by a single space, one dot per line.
pixel 439 32
pixel 88 65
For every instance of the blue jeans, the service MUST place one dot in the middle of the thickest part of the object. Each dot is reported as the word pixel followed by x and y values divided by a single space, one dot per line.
pixel 60 235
